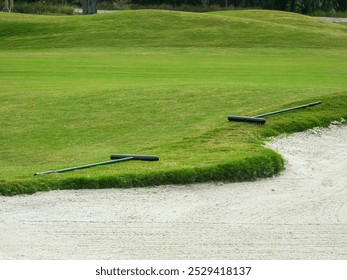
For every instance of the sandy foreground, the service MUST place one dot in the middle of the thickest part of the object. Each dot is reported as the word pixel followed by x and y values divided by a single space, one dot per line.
pixel 300 214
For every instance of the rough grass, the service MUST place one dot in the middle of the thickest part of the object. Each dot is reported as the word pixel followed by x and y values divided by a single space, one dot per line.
pixel 73 90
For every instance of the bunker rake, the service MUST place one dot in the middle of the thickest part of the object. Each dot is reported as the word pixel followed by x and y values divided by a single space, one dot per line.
pixel 114 159
pixel 259 118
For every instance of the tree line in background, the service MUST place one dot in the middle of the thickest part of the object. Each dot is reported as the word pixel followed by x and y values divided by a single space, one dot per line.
pixel 89 6
pixel 303 6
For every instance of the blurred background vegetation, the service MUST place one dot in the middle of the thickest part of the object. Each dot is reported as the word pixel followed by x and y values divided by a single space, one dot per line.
pixel 334 8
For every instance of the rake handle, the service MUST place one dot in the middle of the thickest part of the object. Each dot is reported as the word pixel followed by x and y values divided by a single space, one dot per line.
pixel 83 166
pixel 288 109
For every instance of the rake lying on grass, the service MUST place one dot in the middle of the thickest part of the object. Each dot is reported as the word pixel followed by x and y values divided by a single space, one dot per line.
pixel 259 118
pixel 114 159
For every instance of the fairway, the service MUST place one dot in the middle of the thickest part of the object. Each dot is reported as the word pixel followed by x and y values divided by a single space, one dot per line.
pixel 74 90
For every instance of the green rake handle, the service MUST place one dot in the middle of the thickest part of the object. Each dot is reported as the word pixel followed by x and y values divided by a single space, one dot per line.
pixel 288 109
pixel 84 166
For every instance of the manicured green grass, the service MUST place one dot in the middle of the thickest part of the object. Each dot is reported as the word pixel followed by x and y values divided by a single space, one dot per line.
pixel 154 28
pixel 74 90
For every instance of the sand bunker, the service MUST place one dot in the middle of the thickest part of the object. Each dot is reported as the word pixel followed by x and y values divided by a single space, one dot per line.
pixel 300 214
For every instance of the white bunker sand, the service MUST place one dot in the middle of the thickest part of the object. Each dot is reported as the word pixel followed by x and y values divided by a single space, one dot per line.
pixel 301 214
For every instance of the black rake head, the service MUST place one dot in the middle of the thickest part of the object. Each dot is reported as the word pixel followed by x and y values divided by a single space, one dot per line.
pixel 135 157
pixel 246 119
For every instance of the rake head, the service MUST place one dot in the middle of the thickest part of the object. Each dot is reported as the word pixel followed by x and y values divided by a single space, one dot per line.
pixel 135 157
pixel 246 119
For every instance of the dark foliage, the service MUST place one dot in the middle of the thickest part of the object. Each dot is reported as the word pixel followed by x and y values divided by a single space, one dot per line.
pixel 301 6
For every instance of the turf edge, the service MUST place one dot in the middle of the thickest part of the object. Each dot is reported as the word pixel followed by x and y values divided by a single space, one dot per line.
pixel 266 164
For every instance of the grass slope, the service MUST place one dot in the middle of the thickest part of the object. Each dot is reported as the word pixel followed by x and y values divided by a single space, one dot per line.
pixel 153 28
pixel 75 89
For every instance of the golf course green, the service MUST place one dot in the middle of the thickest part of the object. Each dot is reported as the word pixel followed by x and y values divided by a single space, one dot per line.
pixel 76 89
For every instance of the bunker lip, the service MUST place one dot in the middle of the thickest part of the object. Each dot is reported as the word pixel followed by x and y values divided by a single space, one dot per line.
pixel 300 214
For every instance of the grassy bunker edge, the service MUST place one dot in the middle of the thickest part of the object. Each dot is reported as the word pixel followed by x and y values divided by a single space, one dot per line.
pixel 263 163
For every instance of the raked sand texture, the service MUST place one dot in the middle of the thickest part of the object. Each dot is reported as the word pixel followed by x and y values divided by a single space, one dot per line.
pixel 301 214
